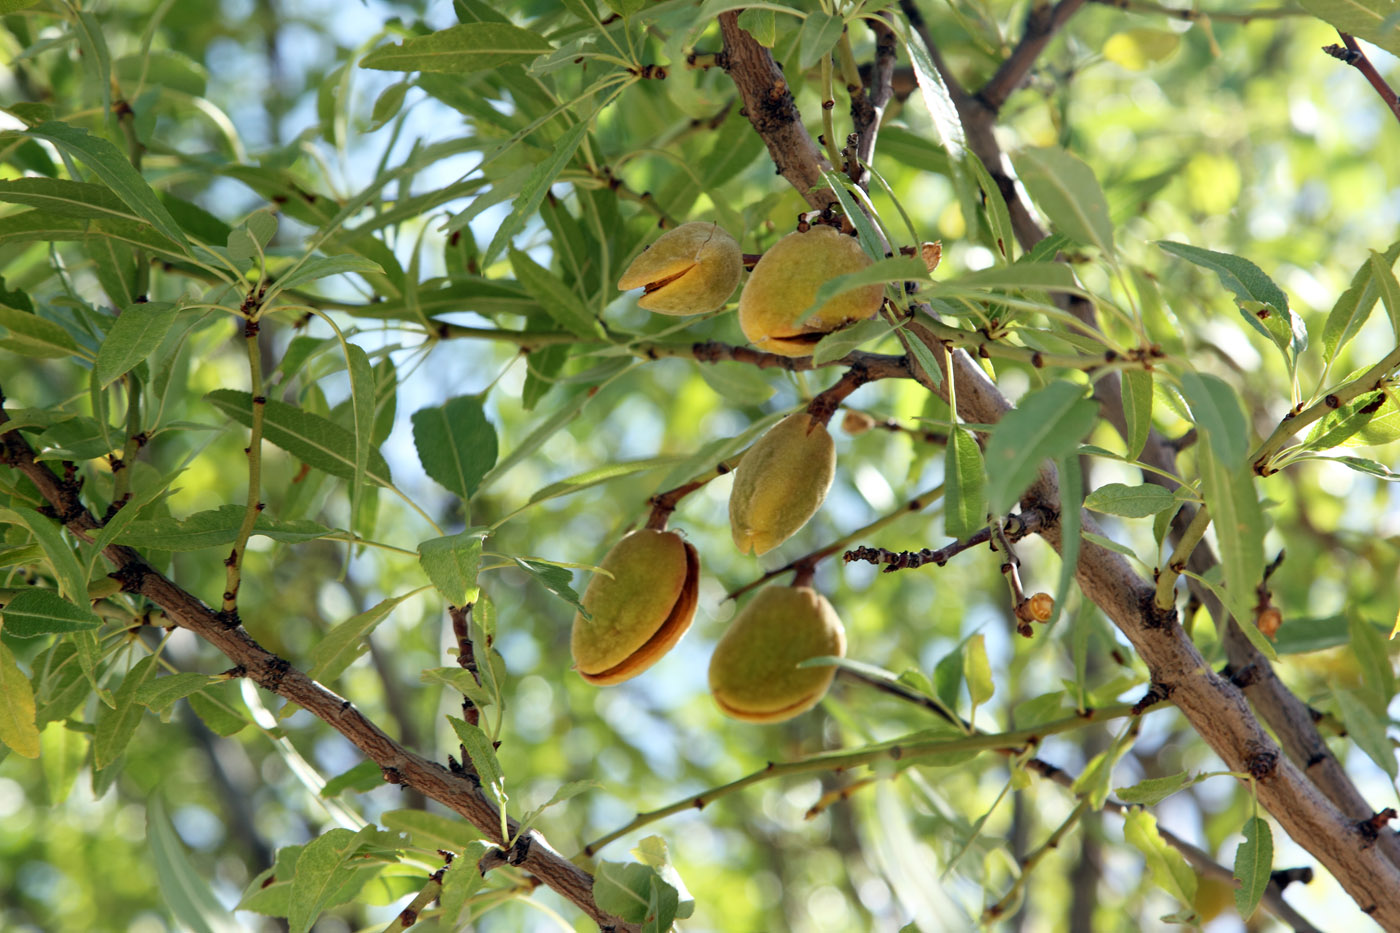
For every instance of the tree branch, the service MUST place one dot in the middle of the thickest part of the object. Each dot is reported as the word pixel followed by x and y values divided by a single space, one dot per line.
pixel 770 108
pixel 1042 23
pixel 458 792
pixel 1355 56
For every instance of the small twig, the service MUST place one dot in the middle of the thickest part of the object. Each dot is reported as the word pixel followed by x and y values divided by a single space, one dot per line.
pixel 1355 56
pixel 807 561
pixel 664 503
pixel 1034 858
pixel 1017 527
pixel 410 914
pixel 1042 23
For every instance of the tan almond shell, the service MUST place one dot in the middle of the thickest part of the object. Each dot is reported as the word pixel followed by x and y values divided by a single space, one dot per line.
pixel 784 284
pixel 692 269
pixel 754 674
pixel 781 483
pixel 641 611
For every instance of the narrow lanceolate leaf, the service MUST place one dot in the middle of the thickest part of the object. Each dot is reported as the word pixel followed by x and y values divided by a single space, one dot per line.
pixel 817 37
pixel 1045 424
pixel 135 334
pixel 1065 189
pixel 558 300
pixel 115 170
pixel 1130 501
pixel 946 123
pixel 1239 530
pixel 1367 729
pixel 185 892
pixel 452 563
pixel 30 335
pixel 72 581
pixel 362 404
pixel 483 758
pixel 320 267
pixel 159 693
pixel 964 495
pixel 527 202
pixel 456 444
pixel 894 269
pixel 17 727
pixel 320 871
pixel 1368 645
pixel 1152 791
pixel 1384 277
pixel 1354 305
pixel 1254 861
pixel 1071 490
pixel 1376 21
pixel 116 726
pixel 69 198
pixel 1218 415
pixel 317 441
pixel 1169 870
pixel 1137 409
pixel 34 611
pixel 978 670
pixel 461 50
pixel 345 642
pixel 213 528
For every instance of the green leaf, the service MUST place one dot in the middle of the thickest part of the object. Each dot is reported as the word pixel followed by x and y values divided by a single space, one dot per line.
pixel 590 478
pixel 527 201
pixel 61 754
pixel 31 335
pixel 761 24
pixel 34 611
pixel 320 267
pixel 653 851
pixel 978 670
pixel 838 343
pixel 461 50
pixel 1137 409
pixel 1376 21
pixel 115 170
pixel 1389 288
pixel 363 778
pixel 1066 190
pixel 1130 501
pixel 998 215
pixel 456 444
pixel 817 37
pixel 947 125
pixel 315 440
pixel 1354 305
pixel 1152 791
pixel 214 528
pixel 17 725
pixel 1366 729
pixel 451 563
pixel 345 642
pixel 72 581
pixel 1368 645
pixel 1169 870
pixel 68 198
pixel 1045 424
pixel 388 104
pixel 116 726
pixel 158 694
pixel 321 873
pixel 1239 531
pixel 964 494
pixel 188 896
pixel 1071 536
pixel 430 831
pixel 1250 285
pixel 1109 543
pixel 558 300
pixel 483 758
pixel 894 269
pixel 738 382
pixel 635 893
pixel 554 579
pixel 1254 863
pixel 460 884
pixel 1216 409
pixel 134 336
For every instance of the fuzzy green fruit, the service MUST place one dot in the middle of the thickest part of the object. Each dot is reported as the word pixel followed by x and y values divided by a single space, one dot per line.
pixel 641 611
pixel 780 483
pixel 689 270
pixel 785 283
pixel 754 674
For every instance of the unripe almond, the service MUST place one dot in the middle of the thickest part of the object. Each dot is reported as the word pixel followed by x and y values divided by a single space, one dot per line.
pixel 689 270
pixel 754 673
pixel 784 284
pixel 641 610
pixel 780 483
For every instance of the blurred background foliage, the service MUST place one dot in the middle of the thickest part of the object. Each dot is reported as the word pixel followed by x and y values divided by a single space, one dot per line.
pixel 1239 137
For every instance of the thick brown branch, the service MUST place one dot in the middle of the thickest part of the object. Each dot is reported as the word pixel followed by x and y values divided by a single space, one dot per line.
pixel 770 108
pixel 458 792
